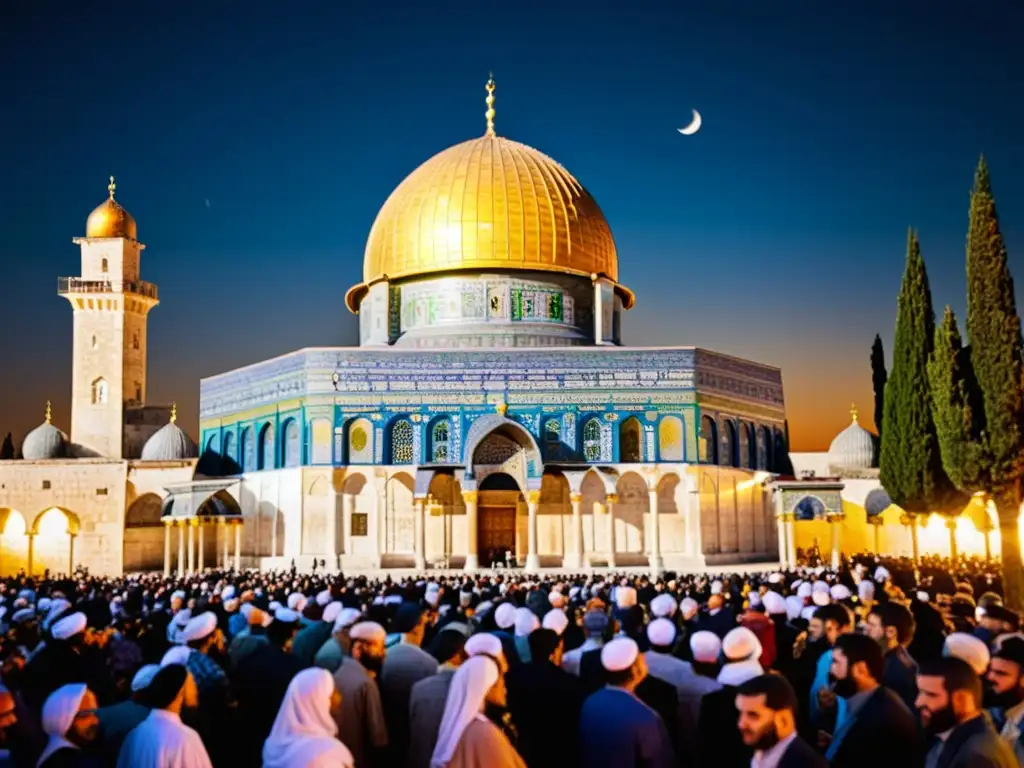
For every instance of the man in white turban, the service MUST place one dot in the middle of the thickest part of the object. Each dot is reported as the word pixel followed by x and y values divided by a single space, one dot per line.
pixel 616 728
pixel 69 722
pixel 162 740
pixel 335 648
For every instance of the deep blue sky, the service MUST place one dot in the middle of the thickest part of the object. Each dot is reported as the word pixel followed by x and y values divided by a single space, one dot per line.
pixel 776 233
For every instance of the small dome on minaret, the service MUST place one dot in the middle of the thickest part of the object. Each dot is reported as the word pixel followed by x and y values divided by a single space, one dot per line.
pixel 109 219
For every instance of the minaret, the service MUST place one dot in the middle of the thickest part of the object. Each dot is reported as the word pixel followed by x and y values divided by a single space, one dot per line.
pixel 110 306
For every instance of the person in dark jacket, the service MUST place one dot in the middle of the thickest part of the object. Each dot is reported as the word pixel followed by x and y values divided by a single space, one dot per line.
pixel 877 728
pixel 540 693
pixel 891 625
pixel 962 736
pixel 767 723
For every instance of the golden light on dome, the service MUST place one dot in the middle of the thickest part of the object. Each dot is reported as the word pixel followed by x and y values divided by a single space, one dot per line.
pixel 489 204
pixel 109 219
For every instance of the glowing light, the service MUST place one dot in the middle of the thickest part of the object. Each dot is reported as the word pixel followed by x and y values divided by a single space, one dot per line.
pixel 53 524
pixel 15 525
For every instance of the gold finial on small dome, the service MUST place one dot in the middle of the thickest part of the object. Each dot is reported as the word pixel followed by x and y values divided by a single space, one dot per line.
pixel 490 105
pixel 853 412
pixel 109 219
pixel 49 413
pixel 111 187
pixel 174 412
pixel 501 408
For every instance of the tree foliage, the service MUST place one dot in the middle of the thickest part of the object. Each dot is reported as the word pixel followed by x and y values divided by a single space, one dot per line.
pixel 910 462
pixel 878 378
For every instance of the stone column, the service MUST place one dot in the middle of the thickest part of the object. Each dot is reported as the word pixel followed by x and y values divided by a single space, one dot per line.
pixel 470 498
pixel 909 521
pixel 877 522
pixel 31 551
pixel 238 546
pixel 191 545
pixel 71 555
pixel 609 506
pixel 780 523
pixel 836 521
pixel 348 504
pixel 420 531
pixel 574 557
pixel 654 560
pixel 332 527
pixel 167 549
pixel 951 525
pixel 791 539
pixel 181 547
pixel 202 545
pixel 224 528
pixel 382 520
pixel 532 555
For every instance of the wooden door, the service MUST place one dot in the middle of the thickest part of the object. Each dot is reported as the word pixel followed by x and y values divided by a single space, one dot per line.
pixel 497 533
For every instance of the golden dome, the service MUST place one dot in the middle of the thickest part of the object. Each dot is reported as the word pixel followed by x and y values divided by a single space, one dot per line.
pixel 488 204
pixel 109 219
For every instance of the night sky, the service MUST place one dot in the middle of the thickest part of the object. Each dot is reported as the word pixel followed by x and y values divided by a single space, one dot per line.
pixel 255 142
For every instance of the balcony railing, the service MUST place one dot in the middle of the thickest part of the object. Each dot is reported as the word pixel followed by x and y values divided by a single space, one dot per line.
pixel 67 285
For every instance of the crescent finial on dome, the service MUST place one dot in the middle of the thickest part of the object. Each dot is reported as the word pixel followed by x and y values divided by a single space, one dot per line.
pixel 490 105
pixel 174 412
pixel 111 187
pixel 853 412
pixel 49 414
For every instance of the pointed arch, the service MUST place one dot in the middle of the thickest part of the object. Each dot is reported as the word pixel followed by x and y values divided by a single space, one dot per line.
pixel 100 391
pixel 728 449
pixel 631 434
pixel 745 447
pixel 592 434
pixel 247 450
pixel 359 441
pixel 266 456
pixel 708 440
pixel 440 440
pixel 401 437
pixel 292 449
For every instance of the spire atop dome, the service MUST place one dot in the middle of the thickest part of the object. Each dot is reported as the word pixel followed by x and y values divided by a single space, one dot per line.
pixel 174 412
pixel 49 413
pixel 853 412
pixel 490 106
pixel 111 187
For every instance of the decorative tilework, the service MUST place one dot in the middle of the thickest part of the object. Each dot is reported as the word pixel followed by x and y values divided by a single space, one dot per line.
pixel 417 443
pixel 456 440
pixel 649 454
pixel 606 441
pixel 569 429
pixel 378 445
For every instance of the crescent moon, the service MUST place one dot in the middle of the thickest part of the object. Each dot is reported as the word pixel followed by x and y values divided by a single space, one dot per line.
pixel 693 127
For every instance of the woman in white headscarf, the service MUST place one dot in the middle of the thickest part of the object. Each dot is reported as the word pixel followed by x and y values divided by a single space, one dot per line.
pixel 305 734
pixel 69 720
pixel 467 739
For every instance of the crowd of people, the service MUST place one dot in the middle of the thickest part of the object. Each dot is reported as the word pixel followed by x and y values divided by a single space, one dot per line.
pixel 880 662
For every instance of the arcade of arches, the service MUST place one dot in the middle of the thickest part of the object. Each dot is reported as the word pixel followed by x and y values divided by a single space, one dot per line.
pixel 38 543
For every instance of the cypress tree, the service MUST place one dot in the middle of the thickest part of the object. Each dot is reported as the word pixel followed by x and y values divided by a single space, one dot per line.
pixel 990 434
pixel 910 462
pixel 7 449
pixel 878 378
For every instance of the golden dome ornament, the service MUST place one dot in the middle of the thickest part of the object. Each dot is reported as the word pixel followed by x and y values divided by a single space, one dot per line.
pixel 489 203
pixel 109 219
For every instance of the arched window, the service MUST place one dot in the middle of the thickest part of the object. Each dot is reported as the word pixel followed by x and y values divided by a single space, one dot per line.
pixel 745 445
pixel 211 444
pixel 630 450
pixel 670 438
pixel 100 392
pixel 135 340
pixel 266 452
pixel 360 442
pixel 552 438
pixel 779 450
pixel 292 445
pixel 439 442
pixel 762 449
pixel 229 446
pixel 247 451
pixel 728 444
pixel 104 266
pixel 708 440
pixel 592 440
pixel 322 452
pixel 401 442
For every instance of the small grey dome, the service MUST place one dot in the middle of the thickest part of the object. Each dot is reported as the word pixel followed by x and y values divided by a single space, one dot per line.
pixel 45 442
pixel 853 448
pixel 169 443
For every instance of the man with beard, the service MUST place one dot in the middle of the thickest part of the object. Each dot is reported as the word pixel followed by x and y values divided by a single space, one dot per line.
pixel 1006 693
pixel 360 718
pixel 874 726
pixel 949 702
pixel 767 724
pixel 891 625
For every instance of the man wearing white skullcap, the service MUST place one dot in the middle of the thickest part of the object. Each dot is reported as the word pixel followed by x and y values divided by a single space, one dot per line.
pixel 360 718
pixel 117 720
pixel 688 607
pixel 555 620
pixel 331 612
pixel 556 599
pixel 625 597
pixel 69 627
pixel 333 650
pixel 526 621
pixel 840 592
pixel 198 629
pixel 296 602
pixel 804 590
pixel 969 648
pixel 794 607
pixel 663 606
pixel 505 616
pixel 821 598
pixel 616 728
pixel 663 665
pixel 706 648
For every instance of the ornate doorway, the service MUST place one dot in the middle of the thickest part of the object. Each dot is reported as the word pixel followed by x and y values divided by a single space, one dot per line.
pixel 496 531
